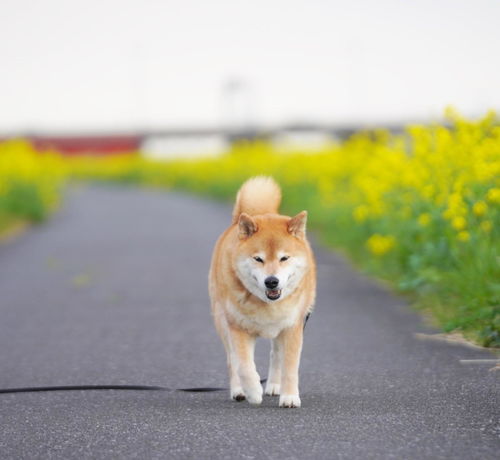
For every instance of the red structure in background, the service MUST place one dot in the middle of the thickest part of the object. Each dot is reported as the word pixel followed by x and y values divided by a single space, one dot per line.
pixel 87 145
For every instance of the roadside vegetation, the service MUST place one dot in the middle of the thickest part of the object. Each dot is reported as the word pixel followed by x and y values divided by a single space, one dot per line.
pixel 421 209
pixel 30 183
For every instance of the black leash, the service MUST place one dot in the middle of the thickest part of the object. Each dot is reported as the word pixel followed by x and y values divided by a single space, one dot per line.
pixel 112 387
pixel 120 387
pixel 107 387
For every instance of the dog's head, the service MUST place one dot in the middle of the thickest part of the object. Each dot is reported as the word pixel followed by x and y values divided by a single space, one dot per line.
pixel 272 254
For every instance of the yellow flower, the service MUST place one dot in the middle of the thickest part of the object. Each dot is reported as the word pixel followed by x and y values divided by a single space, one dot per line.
pixel 493 195
pixel 486 226
pixel 458 223
pixel 428 191
pixel 463 236
pixel 360 213
pixel 447 213
pixel 451 113
pixel 380 244
pixel 480 208
pixel 424 219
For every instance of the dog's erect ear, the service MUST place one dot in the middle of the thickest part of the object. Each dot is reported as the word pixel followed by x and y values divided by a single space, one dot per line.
pixel 246 225
pixel 297 225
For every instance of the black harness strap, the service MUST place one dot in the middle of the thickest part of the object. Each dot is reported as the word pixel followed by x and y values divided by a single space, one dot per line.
pixel 306 319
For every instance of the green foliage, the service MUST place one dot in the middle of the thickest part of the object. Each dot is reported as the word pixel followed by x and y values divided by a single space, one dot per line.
pixel 30 183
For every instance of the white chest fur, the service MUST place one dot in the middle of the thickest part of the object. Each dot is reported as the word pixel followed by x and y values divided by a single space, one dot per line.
pixel 268 320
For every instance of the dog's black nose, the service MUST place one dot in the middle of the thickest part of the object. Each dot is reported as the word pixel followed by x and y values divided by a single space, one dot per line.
pixel 271 282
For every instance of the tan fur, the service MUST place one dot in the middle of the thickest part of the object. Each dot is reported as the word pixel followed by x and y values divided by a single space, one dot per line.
pixel 241 305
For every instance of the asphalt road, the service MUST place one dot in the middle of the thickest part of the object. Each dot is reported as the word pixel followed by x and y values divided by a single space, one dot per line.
pixel 113 290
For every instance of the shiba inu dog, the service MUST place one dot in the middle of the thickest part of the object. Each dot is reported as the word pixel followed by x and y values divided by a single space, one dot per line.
pixel 262 283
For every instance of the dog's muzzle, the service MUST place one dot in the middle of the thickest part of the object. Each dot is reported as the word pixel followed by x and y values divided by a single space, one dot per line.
pixel 272 291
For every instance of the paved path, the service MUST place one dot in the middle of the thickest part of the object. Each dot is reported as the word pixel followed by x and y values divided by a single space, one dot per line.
pixel 113 290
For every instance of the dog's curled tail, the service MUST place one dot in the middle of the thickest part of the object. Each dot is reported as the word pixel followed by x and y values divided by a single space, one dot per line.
pixel 258 195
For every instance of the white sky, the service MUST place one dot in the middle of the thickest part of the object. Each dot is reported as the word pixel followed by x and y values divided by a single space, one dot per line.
pixel 118 64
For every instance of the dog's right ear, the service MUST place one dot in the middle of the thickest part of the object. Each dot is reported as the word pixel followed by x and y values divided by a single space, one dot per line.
pixel 247 226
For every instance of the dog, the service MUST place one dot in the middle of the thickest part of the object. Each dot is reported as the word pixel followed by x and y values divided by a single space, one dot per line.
pixel 262 283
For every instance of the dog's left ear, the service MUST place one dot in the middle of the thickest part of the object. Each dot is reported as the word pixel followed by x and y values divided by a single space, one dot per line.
pixel 297 225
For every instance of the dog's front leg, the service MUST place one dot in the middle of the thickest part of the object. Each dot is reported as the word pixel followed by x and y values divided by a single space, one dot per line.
pixel 275 360
pixel 243 345
pixel 291 341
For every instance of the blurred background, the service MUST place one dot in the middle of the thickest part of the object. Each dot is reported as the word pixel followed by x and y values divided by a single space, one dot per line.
pixel 377 117
pixel 185 69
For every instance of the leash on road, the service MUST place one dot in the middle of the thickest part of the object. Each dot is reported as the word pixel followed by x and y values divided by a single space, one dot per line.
pixel 111 387
pixel 120 387
pixel 107 387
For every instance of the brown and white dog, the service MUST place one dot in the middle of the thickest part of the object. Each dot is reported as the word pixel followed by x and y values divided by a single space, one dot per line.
pixel 262 283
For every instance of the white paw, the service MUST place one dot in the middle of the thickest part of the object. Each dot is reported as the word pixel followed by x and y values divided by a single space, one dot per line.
pixel 272 389
pixel 289 401
pixel 254 395
pixel 237 394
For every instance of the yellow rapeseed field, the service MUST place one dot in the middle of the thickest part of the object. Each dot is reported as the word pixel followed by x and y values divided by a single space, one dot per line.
pixel 421 209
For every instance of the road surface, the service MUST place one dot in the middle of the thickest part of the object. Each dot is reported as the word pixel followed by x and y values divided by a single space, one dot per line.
pixel 112 290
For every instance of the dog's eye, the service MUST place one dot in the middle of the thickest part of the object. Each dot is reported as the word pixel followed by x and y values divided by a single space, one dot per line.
pixel 284 258
pixel 258 259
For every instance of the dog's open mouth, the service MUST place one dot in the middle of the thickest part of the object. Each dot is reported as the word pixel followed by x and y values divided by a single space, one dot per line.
pixel 273 294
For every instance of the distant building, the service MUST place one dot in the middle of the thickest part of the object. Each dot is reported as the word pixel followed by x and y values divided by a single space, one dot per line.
pixel 88 145
pixel 171 146
pixel 196 142
pixel 292 140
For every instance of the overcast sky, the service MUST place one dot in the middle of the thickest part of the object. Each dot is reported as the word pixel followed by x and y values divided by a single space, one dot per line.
pixel 118 64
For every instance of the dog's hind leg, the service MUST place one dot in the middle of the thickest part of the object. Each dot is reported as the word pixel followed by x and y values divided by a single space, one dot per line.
pixel 274 375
